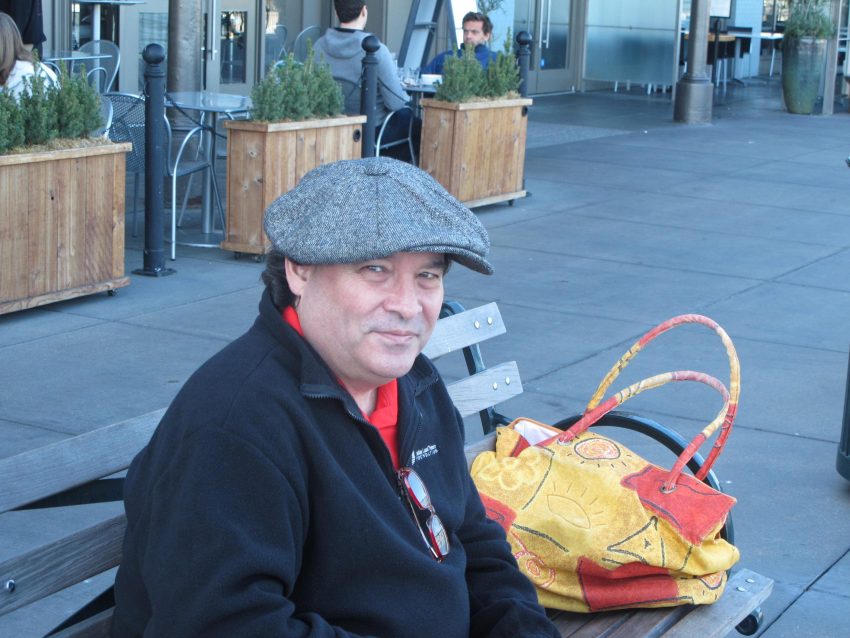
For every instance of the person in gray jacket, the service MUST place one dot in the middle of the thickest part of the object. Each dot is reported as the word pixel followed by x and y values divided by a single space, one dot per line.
pixel 342 49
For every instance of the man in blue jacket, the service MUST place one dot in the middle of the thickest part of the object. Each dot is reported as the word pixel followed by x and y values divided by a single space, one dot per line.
pixel 309 479
pixel 477 30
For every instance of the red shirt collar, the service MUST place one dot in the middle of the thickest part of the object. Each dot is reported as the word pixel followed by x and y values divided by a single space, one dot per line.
pixel 385 413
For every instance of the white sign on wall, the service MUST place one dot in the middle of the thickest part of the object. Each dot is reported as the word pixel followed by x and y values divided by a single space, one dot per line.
pixel 720 9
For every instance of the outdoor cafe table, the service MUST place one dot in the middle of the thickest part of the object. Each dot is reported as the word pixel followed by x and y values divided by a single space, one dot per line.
pixel 214 104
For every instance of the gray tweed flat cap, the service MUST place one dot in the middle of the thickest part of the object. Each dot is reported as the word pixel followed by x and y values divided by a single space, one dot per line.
pixel 356 210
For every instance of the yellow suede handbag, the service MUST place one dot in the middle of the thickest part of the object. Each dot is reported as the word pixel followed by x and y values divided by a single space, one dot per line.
pixel 595 526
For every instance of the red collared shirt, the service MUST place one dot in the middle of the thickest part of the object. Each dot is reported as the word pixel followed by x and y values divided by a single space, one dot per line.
pixel 385 415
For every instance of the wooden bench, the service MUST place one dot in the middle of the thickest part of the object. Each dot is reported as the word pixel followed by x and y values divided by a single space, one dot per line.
pixel 77 471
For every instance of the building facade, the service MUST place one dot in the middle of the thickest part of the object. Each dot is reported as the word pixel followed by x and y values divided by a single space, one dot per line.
pixel 577 44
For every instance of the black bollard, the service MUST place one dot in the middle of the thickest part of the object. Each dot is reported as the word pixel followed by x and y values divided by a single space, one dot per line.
pixel 523 40
pixel 368 94
pixel 154 253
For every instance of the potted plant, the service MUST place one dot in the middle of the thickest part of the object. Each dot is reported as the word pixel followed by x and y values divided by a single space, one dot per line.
pixel 474 129
pixel 296 124
pixel 807 30
pixel 61 196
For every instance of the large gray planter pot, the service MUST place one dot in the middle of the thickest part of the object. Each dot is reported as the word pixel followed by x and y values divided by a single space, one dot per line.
pixel 803 61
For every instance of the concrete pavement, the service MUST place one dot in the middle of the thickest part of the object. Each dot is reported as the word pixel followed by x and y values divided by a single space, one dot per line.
pixel 632 219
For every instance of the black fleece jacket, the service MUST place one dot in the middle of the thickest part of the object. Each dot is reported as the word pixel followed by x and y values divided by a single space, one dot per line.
pixel 265 505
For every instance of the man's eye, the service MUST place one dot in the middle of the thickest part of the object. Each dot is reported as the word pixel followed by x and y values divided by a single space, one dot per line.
pixel 374 268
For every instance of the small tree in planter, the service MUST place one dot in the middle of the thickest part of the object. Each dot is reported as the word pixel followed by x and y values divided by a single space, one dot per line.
pixel 49 117
pixel 296 124
pixel 61 196
pixel 474 130
pixel 807 30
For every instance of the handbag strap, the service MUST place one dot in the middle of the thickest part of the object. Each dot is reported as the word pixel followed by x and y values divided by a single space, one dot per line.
pixel 594 415
pixel 724 418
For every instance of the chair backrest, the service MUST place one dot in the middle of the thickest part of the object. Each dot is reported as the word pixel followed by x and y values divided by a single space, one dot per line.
pixel 350 95
pixel 106 115
pixel 299 47
pixel 101 73
pixel 128 125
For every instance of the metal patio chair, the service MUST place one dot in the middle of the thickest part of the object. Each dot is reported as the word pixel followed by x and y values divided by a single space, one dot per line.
pixel 128 125
pixel 103 72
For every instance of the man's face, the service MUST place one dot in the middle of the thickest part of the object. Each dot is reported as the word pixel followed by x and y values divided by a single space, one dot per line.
pixel 473 33
pixel 369 320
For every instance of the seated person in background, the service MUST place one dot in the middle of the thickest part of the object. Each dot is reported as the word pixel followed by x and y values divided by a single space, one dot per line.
pixel 16 63
pixel 284 491
pixel 342 50
pixel 477 30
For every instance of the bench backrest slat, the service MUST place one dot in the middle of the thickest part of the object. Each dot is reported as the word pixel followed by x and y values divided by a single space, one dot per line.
pixel 73 461
pixel 55 566
pixel 465 329
pixel 486 389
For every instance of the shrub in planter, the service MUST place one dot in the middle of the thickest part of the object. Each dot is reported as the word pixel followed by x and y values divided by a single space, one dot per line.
pixel 61 196
pixel 49 116
pixel 296 124
pixel 474 130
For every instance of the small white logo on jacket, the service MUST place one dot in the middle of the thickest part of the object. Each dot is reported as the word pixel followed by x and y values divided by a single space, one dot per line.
pixel 423 453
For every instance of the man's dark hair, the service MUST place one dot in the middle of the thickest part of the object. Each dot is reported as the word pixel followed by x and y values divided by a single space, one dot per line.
pixel 274 277
pixel 477 16
pixel 348 10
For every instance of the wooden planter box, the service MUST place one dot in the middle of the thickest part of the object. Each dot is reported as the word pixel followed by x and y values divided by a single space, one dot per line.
pixel 61 225
pixel 265 160
pixel 476 150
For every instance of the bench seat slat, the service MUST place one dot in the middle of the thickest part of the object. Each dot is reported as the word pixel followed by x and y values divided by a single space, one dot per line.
pixel 464 329
pixel 62 563
pixel 738 600
pixel 73 461
pixel 486 389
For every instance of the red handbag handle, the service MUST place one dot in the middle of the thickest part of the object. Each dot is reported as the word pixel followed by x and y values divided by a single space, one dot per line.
pixel 724 419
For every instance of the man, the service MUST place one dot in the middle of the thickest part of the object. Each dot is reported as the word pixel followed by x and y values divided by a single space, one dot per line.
pixel 477 30
pixel 342 50
pixel 284 492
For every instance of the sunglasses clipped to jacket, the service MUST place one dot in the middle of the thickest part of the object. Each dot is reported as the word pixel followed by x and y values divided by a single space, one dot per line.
pixel 429 524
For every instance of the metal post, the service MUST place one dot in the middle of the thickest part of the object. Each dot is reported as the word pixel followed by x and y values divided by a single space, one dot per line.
pixel 154 253
pixel 523 40
pixel 695 92
pixel 368 93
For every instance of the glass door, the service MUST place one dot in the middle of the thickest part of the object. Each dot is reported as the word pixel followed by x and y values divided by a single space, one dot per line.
pixel 549 23
pixel 231 45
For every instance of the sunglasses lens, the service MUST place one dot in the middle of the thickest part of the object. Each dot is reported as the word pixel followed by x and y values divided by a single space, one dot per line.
pixel 417 490
pixel 438 535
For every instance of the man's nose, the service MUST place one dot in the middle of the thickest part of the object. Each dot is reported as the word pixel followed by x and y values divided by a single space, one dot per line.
pixel 404 299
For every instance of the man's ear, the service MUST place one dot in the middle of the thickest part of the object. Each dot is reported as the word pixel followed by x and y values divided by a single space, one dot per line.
pixel 297 276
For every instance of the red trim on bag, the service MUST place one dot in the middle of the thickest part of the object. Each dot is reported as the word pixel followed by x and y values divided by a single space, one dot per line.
pixel 694 509
pixel 498 511
pixel 630 585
